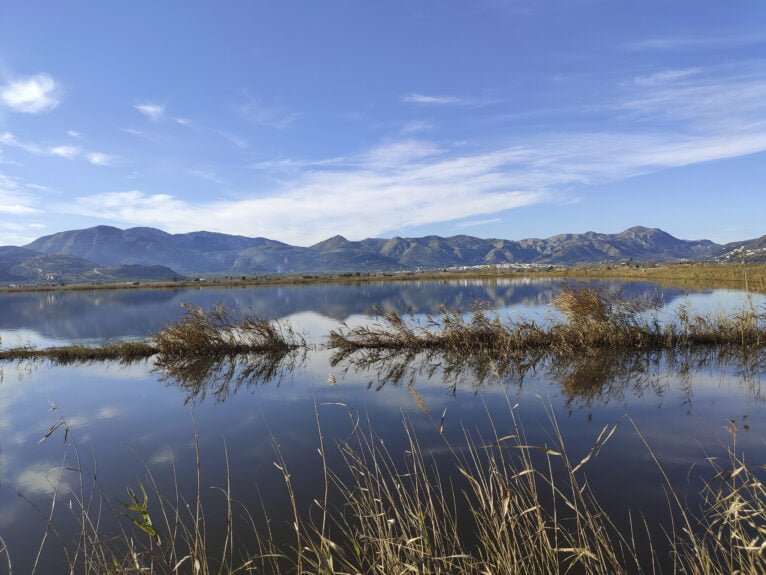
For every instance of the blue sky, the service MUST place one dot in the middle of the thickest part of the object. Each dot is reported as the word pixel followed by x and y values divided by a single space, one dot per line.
pixel 300 120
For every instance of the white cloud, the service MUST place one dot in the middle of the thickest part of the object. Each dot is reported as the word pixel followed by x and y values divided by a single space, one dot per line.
pixel 74 134
pixel 430 99
pixel 31 95
pixel 152 111
pixel 100 159
pixel 68 152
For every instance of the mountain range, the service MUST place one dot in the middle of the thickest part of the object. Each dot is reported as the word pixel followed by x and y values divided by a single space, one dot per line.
pixel 108 253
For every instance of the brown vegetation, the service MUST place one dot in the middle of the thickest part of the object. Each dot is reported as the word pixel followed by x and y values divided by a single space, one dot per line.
pixel 505 507
pixel 595 320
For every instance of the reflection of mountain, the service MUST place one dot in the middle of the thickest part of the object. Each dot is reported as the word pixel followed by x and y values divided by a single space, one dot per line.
pixel 129 313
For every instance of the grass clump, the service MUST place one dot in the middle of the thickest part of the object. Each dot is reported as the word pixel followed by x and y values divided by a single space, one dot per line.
pixel 223 331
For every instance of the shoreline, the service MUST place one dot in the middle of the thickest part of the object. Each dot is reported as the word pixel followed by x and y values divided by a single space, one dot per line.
pixel 750 277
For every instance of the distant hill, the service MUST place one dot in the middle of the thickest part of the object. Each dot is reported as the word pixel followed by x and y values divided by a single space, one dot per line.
pixel 753 251
pixel 21 265
pixel 215 253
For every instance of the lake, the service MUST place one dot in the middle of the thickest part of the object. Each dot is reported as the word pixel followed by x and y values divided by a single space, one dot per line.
pixel 131 424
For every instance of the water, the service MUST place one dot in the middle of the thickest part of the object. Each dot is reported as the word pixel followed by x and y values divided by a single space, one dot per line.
pixel 127 421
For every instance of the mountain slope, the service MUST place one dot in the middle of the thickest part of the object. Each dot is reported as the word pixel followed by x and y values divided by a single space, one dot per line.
pixel 20 265
pixel 752 251
pixel 207 252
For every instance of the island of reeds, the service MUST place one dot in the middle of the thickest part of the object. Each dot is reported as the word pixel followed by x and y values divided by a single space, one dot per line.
pixel 590 320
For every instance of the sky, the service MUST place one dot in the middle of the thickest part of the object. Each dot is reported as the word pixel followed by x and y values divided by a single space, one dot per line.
pixel 300 120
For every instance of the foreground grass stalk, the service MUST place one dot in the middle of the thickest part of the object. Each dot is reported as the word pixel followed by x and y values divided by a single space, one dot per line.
pixel 495 504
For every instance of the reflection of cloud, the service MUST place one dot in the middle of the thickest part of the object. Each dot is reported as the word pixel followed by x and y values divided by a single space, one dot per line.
pixel 163 456
pixel 42 479
pixel 11 512
pixel 108 412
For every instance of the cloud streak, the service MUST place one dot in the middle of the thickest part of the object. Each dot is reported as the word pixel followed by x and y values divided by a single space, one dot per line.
pixel 272 116
pixel 416 98
pixel 153 112
pixel 66 151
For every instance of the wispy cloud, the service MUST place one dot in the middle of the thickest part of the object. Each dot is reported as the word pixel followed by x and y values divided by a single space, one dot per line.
pixel 152 111
pixel 31 94
pixel 18 234
pixel 65 151
pixel 734 39
pixel 473 223
pixel 415 98
pixel 417 126
pixel 665 76
pixel 239 142
pixel 271 115
pixel 670 118
pixel 14 199
pixel 74 134
pixel 721 100
pixel 208 175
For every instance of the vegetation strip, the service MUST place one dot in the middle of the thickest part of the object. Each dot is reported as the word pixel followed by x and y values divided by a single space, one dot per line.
pixel 595 320
pixel 750 277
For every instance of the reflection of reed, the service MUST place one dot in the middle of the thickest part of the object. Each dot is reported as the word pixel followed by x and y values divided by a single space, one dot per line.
pixel 591 378
pixel 223 375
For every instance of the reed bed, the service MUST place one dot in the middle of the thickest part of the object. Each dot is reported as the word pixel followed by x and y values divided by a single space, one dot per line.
pixel 495 504
pixel 120 350
pixel 221 331
pixel 593 320
pixel 210 334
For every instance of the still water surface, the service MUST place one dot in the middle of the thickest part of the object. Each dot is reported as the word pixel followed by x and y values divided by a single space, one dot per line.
pixel 127 419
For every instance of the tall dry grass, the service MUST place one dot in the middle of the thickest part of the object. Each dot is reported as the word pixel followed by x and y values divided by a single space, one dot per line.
pixel 593 320
pixel 222 330
pixel 498 504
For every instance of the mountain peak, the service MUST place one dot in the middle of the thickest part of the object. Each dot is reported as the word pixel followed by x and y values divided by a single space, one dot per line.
pixel 642 230
pixel 334 243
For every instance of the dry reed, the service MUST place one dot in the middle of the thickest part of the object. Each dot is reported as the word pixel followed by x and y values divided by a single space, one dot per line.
pixel 498 505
